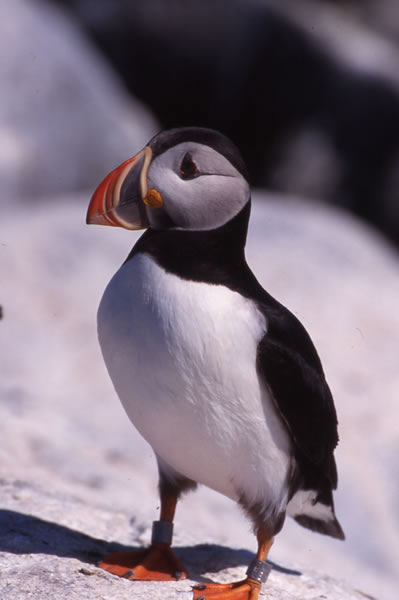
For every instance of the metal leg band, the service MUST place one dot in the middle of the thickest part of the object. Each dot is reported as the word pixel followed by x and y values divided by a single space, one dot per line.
pixel 258 570
pixel 162 532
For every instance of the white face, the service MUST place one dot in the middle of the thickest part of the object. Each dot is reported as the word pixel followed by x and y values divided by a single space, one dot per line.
pixel 200 188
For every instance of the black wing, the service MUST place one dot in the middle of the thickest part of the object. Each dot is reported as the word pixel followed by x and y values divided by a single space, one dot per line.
pixel 290 367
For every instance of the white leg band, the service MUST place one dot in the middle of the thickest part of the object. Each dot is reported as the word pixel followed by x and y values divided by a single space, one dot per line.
pixel 258 570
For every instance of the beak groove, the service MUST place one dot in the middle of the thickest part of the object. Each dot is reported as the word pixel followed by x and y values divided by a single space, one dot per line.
pixel 118 207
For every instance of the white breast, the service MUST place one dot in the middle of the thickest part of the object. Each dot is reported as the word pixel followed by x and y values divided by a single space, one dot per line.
pixel 182 358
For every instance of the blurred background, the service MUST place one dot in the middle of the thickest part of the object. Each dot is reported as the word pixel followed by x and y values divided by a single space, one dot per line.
pixel 309 91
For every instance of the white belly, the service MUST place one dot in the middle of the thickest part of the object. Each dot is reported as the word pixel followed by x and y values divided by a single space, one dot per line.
pixel 182 358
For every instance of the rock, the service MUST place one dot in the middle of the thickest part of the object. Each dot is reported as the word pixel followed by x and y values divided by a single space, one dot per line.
pixel 382 17
pixel 63 429
pixel 50 544
pixel 65 118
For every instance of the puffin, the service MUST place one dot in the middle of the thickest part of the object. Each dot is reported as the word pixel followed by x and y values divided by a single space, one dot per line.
pixel 221 379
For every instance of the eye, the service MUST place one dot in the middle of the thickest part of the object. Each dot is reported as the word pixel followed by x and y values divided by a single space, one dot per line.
pixel 188 169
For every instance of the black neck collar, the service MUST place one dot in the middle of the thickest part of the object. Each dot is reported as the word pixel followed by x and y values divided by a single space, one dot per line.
pixel 213 256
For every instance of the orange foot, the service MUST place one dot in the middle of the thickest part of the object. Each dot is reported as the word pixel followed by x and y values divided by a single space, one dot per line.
pixel 247 589
pixel 156 563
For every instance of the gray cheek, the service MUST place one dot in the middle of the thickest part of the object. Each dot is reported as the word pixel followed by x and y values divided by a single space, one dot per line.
pixel 209 202
pixel 212 213
pixel 170 214
pixel 206 202
pixel 224 199
pixel 194 205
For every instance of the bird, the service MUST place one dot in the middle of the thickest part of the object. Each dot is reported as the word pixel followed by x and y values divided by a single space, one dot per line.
pixel 218 376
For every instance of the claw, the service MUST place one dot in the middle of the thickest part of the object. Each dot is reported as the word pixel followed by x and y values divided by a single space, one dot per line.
pixel 128 574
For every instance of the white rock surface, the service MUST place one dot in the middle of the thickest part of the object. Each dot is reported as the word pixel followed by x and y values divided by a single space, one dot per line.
pixel 65 436
pixel 64 116
pixel 50 543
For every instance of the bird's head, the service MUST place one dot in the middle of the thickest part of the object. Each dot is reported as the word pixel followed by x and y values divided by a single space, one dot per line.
pixel 188 178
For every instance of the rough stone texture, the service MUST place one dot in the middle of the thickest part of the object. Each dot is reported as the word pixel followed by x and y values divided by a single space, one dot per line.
pixel 65 436
pixel 50 543
pixel 64 116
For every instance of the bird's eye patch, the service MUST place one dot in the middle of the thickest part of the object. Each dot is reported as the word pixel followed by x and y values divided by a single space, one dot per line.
pixel 188 169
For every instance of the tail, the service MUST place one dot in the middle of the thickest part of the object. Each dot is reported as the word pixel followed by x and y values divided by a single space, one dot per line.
pixel 308 510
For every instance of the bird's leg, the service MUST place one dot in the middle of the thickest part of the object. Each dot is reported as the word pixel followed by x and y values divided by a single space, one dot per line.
pixel 247 589
pixel 158 562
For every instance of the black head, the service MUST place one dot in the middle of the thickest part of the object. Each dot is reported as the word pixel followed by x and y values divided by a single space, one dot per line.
pixel 200 135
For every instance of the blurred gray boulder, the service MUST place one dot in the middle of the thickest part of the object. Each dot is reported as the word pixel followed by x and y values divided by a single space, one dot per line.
pixel 65 118
pixel 308 93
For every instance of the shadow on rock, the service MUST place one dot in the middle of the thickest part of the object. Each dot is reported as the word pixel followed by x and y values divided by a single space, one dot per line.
pixel 214 558
pixel 27 534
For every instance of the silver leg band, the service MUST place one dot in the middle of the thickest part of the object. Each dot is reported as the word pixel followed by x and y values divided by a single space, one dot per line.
pixel 259 570
pixel 162 532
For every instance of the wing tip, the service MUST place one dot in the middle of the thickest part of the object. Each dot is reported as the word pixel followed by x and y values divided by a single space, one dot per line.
pixel 330 527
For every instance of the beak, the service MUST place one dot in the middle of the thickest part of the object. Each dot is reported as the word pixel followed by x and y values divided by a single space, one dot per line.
pixel 121 198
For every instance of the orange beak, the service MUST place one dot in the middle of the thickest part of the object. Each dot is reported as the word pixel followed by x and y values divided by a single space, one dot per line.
pixel 120 198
